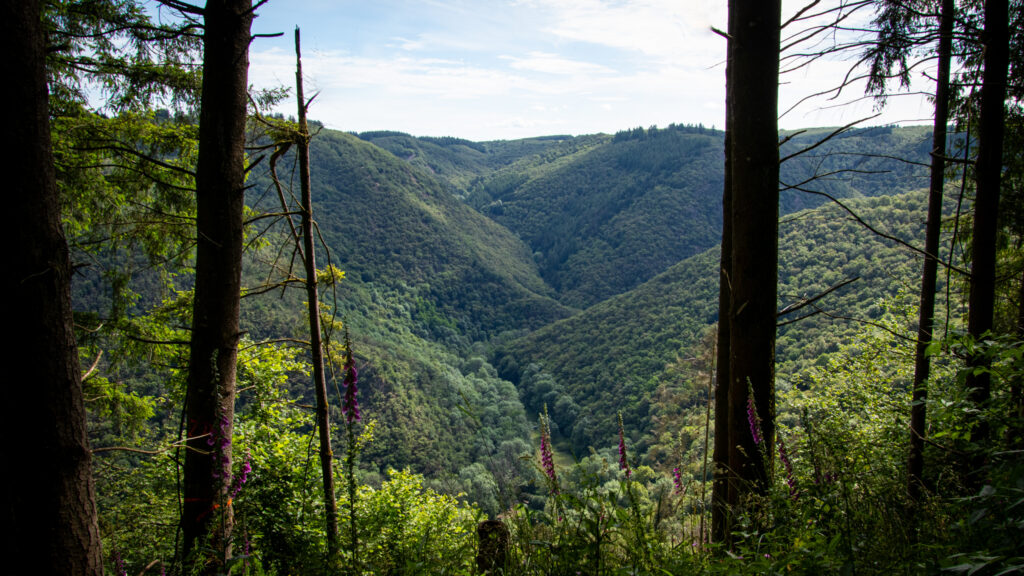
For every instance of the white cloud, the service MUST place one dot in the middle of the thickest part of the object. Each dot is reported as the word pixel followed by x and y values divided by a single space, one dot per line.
pixel 517 68
pixel 435 77
pixel 554 64
pixel 662 29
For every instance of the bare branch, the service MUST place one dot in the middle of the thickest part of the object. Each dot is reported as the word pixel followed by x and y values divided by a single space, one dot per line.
pixel 304 343
pixel 270 215
pixel 877 232
pixel 824 175
pixel 870 323
pixel 175 445
pixel 795 320
pixel 95 363
pixel 183 7
pixel 834 133
pixel 800 13
pixel 721 33
pixel 137 154
pixel 804 302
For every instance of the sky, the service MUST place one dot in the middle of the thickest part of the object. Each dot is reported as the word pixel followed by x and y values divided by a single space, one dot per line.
pixel 506 69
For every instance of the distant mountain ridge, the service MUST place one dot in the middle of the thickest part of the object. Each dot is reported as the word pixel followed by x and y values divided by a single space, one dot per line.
pixel 602 214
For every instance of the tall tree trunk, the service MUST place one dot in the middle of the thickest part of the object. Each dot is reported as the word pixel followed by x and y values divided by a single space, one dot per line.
pixel 754 168
pixel 747 294
pixel 933 227
pixel 49 508
pixel 220 182
pixel 720 489
pixel 988 169
pixel 323 421
pixel 1015 432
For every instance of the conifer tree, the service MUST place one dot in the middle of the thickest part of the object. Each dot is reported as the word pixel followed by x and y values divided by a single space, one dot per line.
pixel 900 32
pixel 207 515
pixel 49 510
pixel 988 169
pixel 752 220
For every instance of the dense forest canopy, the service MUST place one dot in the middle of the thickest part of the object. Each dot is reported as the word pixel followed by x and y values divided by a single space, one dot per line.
pixel 574 335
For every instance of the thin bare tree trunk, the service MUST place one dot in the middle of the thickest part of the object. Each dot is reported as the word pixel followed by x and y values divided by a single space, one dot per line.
pixel 323 421
pixel 747 294
pixel 720 488
pixel 933 229
pixel 754 168
pixel 707 437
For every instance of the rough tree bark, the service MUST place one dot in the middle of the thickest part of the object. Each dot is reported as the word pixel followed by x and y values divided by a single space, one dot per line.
pixel 49 507
pixel 754 167
pixel 220 182
pixel 988 170
pixel 751 219
pixel 720 489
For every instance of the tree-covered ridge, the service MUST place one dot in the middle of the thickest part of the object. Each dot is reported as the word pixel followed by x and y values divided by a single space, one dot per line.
pixel 873 161
pixel 426 277
pixel 608 218
pixel 462 164
pixel 602 213
pixel 391 226
pixel 614 355
pixel 618 214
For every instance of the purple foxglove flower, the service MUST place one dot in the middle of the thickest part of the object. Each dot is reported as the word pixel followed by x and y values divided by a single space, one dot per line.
pixel 547 459
pixel 350 404
pixel 677 480
pixel 243 476
pixel 753 420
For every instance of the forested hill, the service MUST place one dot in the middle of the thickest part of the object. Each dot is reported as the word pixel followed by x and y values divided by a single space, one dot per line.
pixel 619 355
pixel 426 277
pixel 636 217
pixel 394 227
pixel 434 285
pixel 603 214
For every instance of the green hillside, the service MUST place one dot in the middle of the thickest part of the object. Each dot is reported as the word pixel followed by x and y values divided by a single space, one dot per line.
pixel 391 226
pixel 613 356
pixel 426 278
pixel 603 214
pixel 462 165
pixel 618 213
pixel 432 284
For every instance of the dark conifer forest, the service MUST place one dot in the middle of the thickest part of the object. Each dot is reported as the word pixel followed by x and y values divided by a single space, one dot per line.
pixel 251 344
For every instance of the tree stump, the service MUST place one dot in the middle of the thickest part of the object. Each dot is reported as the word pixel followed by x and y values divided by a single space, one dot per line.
pixel 492 551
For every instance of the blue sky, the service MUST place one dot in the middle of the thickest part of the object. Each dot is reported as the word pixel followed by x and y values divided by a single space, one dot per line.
pixel 502 69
